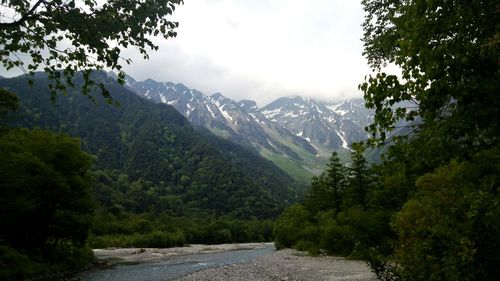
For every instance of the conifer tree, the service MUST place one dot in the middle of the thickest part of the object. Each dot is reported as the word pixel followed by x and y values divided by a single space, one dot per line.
pixel 359 178
pixel 336 180
pixel 318 197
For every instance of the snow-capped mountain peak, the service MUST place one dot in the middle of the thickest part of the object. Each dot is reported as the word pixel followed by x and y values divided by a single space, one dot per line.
pixel 283 128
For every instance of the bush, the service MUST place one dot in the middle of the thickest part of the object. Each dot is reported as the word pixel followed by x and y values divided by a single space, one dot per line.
pixel 450 230
pixel 64 257
pixel 337 239
pixel 290 225
pixel 154 239
pixel 15 265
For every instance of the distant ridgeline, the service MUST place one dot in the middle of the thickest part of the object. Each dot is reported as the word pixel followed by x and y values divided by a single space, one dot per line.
pixel 297 133
pixel 150 159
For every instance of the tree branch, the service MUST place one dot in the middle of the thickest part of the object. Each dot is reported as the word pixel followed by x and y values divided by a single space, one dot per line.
pixel 29 15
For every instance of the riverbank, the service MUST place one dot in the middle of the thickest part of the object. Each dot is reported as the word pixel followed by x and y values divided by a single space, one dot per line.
pixel 289 265
pixel 245 261
pixel 139 255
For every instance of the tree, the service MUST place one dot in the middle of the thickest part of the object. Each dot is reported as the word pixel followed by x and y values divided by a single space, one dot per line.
pixel 290 226
pixel 336 180
pixel 359 179
pixel 448 53
pixel 46 202
pixel 44 186
pixel 318 197
pixel 325 192
pixel 450 230
pixel 8 102
pixel 66 36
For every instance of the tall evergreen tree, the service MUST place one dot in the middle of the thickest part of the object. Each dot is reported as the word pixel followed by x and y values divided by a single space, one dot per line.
pixel 318 197
pixel 336 180
pixel 359 178
pixel 326 191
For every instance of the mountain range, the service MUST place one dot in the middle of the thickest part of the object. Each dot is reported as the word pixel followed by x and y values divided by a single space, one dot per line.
pixel 297 133
pixel 190 170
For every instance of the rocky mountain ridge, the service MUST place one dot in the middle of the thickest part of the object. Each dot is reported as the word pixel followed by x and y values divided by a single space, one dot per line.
pixel 294 132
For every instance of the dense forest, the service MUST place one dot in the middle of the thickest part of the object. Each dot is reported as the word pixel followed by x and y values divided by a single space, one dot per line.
pixel 430 210
pixel 144 177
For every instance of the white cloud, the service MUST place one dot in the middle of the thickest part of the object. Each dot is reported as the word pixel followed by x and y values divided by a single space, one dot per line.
pixel 263 49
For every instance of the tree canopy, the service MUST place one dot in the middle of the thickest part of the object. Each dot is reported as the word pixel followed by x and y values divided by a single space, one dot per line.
pixel 47 206
pixel 63 37
pixel 430 210
pixel 448 53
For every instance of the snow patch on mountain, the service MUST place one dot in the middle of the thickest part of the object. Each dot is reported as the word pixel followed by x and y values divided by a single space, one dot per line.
pixel 210 110
pixel 281 127
pixel 271 113
pixel 344 141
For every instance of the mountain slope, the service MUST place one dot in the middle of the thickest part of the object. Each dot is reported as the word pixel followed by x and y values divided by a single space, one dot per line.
pixel 297 134
pixel 334 126
pixel 153 142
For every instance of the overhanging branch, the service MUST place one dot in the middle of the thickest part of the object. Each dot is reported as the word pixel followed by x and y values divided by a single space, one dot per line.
pixel 28 16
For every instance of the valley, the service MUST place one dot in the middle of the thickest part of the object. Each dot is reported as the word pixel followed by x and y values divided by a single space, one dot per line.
pixel 264 165
pixel 297 134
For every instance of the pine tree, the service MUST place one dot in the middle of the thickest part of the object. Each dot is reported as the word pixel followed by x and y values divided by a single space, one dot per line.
pixel 359 178
pixel 318 196
pixel 336 180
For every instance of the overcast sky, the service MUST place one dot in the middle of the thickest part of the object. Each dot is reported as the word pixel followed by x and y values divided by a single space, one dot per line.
pixel 262 49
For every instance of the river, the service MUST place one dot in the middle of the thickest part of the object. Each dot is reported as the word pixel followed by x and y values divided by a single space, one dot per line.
pixel 173 267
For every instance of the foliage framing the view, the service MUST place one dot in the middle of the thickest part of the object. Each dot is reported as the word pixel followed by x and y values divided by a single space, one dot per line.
pixel 46 203
pixel 63 37
pixel 448 53
pixel 430 210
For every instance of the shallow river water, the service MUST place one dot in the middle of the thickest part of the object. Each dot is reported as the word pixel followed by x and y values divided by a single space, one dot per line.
pixel 171 268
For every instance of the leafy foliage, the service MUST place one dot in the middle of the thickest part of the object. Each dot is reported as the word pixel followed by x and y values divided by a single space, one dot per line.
pixel 290 226
pixel 448 231
pixel 334 215
pixel 64 37
pixel 8 102
pixel 448 53
pixel 46 203
pixel 428 212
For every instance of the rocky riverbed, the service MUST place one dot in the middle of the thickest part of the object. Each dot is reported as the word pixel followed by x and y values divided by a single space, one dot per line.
pixel 288 265
pixel 246 261
pixel 139 255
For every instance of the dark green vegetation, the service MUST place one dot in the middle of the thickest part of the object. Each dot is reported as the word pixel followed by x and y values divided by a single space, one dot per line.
pixel 64 37
pixel 46 201
pixel 336 208
pixel 155 181
pixel 430 210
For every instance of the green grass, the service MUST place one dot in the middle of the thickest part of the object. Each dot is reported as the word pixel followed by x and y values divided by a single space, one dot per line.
pixel 290 166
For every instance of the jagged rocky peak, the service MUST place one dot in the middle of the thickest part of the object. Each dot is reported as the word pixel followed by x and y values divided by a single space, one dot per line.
pixel 217 96
pixel 293 107
pixel 287 128
pixel 248 105
pixel 224 104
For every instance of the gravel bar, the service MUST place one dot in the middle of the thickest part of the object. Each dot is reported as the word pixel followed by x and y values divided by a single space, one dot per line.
pixel 288 265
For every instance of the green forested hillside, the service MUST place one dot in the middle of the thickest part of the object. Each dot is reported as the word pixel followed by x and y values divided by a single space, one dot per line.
pixel 152 142
pixel 147 178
